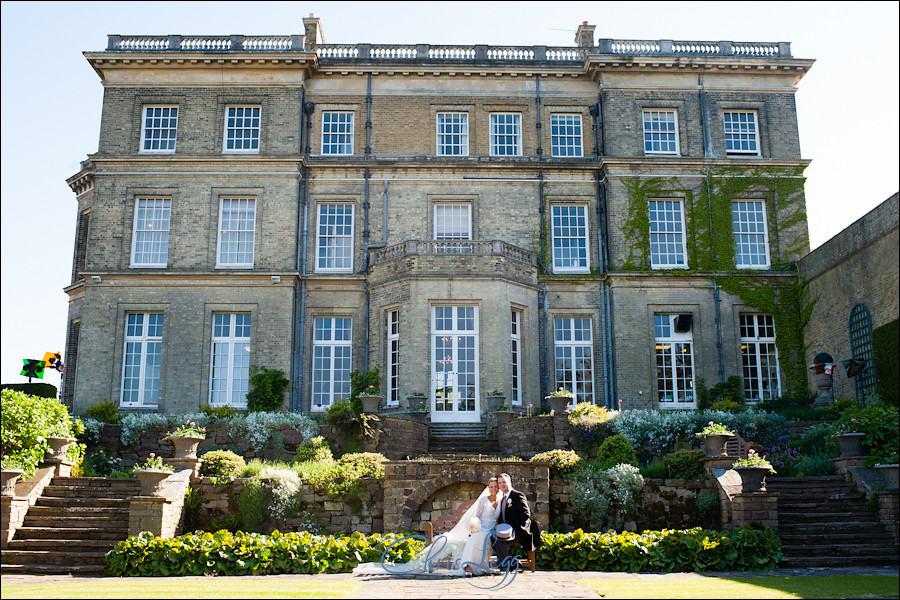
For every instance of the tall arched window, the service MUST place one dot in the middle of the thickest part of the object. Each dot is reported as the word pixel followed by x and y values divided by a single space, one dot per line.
pixel 861 347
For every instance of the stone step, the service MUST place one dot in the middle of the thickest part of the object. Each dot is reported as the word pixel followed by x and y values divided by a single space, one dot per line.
pixel 52 569
pixel 75 511
pixel 789 516
pixel 854 505
pixel 67 491
pixel 53 557
pixel 844 550
pixel 95 482
pixel 74 546
pixel 796 529
pixel 794 562
pixel 810 481
pixel 97 503
pixel 73 533
pixel 826 536
pixel 97 521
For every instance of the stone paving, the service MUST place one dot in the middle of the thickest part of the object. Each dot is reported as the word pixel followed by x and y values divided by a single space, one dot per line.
pixel 542 584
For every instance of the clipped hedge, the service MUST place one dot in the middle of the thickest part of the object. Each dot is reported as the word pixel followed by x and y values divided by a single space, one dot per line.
pixel 744 549
pixel 886 352
pixel 226 553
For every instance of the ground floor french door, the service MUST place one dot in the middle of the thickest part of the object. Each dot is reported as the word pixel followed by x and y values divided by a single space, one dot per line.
pixel 454 365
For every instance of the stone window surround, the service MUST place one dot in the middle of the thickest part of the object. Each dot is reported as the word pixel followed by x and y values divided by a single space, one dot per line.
pixel 143 127
pixel 205 342
pixel 766 237
pixel 132 195
pixel 566 111
pixel 676 105
pixel 217 194
pixel 121 321
pixel 222 105
pixel 673 111
pixel 468 199
pixel 469 111
pixel 761 118
pixel 505 125
pixel 140 102
pixel 335 108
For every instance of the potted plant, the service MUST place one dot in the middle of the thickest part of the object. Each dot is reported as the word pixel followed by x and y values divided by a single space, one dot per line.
pixel 890 471
pixel 370 399
pixel 152 474
pixel 560 400
pixel 59 445
pixel 364 387
pixel 186 439
pixel 503 413
pixel 753 471
pixel 849 440
pixel 715 436
pixel 418 406
pixel 12 469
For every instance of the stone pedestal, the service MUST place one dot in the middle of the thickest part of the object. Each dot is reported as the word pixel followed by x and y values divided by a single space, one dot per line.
pixel 561 428
pixel 61 467
pixel 755 507
pixel 153 514
pixel 12 513
pixel 889 510
pixel 192 464
pixel 717 462
pixel 843 464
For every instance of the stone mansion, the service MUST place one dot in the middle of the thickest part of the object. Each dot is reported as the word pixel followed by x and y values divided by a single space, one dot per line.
pixel 621 218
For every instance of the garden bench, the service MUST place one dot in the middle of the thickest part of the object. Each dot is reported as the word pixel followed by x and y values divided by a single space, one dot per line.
pixel 738 447
pixel 442 525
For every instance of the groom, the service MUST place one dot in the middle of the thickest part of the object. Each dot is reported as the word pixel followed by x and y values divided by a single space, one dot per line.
pixel 514 511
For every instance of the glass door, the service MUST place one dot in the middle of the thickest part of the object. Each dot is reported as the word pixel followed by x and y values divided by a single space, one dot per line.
pixel 454 370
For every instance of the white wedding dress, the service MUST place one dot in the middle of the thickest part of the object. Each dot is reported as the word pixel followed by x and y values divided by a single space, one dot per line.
pixel 468 542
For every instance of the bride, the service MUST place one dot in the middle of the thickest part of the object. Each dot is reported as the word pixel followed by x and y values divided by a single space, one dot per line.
pixel 464 549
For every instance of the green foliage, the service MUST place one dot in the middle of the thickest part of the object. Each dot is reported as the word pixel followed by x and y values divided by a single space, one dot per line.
pixel 222 463
pixel 27 421
pixel 362 464
pixel 817 440
pixel 815 465
pixel 251 505
pixel 225 553
pixel 616 450
pixel 886 353
pixel 603 497
pixel 591 424
pixel 656 469
pixel 317 448
pixel 351 421
pixel 841 404
pixel 219 413
pixel 880 425
pixel 743 549
pixel 730 391
pixel 363 382
pixel 267 387
pixel 685 464
pixel 100 464
pixel 40 388
pixel 562 462
pixel 105 412
pixel 193 500
pixel 727 406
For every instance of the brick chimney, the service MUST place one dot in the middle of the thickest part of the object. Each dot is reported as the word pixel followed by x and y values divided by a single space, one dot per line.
pixel 314 34
pixel 584 37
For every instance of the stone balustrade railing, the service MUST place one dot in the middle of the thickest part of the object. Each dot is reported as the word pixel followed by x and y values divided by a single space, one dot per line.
pixel 393 52
pixel 452 248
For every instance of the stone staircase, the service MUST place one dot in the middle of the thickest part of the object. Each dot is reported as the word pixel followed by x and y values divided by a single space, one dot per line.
pixel 824 522
pixel 461 438
pixel 71 527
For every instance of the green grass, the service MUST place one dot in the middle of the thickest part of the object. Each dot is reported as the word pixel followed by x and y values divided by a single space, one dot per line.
pixel 699 586
pixel 182 587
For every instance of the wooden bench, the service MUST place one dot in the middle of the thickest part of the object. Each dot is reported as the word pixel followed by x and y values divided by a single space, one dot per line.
pixel 442 525
pixel 739 448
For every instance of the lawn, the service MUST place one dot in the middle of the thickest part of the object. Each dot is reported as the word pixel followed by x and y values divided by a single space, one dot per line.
pixel 747 587
pixel 201 587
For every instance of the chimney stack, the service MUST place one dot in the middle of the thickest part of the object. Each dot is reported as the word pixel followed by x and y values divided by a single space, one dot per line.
pixel 584 37
pixel 314 34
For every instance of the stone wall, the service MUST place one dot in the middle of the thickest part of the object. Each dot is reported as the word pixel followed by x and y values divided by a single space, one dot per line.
pixel 664 504
pixel 526 436
pixel 398 439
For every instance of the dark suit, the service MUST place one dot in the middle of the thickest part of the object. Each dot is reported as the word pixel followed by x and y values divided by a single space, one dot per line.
pixel 516 513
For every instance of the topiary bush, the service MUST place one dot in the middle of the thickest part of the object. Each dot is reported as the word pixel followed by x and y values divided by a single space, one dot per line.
pixel 562 462
pixel 222 463
pixel 105 412
pixel 27 421
pixel 685 464
pixel 886 354
pixel 616 450
pixel 317 448
pixel 267 387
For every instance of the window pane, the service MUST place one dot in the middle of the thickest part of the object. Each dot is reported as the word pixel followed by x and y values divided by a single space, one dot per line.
pixel 337 133
pixel 751 246
pixel 242 129
pixel 666 234
pixel 453 134
pixel 506 134
pixel 740 132
pixel 565 135
pixel 160 129
pixel 660 132
pixel 335 237
pixel 237 234
pixel 569 228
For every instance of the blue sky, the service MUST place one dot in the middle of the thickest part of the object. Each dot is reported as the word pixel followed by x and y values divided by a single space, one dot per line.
pixel 51 101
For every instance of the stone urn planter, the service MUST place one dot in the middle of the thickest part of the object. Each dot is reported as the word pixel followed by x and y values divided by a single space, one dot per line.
pixel 58 447
pixel 560 404
pixel 714 444
pixel 186 446
pixel 370 403
pixel 8 481
pixel 890 473
pixel 753 479
pixel 418 415
pixel 503 416
pixel 152 482
pixel 850 444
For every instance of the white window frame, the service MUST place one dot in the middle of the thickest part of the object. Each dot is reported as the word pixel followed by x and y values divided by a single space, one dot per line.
pixel 440 220
pixel 573 340
pixel 758 347
pixel 737 134
pixel 499 133
pixel 237 345
pixel 747 228
pixel 661 229
pixel 515 357
pixel 569 243
pixel 668 344
pixel 224 236
pixel 338 341
pixel 392 360
pixel 152 231
pixel 338 136
pixel 255 138
pixel 146 346
pixel 449 140
pixel 562 138
pixel 654 132
pixel 331 241
pixel 159 123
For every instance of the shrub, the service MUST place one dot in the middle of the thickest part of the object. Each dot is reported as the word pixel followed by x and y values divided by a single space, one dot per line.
pixel 562 462
pixel 841 404
pixel 267 387
pixel 591 424
pixel 616 450
pixel 655 470
pixel 886 354
pixel 99 464
pixel 727 406
pixel 784 456
pixel 364 464
pixel 604 497
pixel 219 413
pixel 105 412
pixel 814 466
pixel 685 464
pixel 26 421
pixel 731 391
pixel 351 421
pixel 317 448
pixel 252 505
pixel 44 390
pixel 817 440
pixel 879 423
pixel 222 463
pixel 363 382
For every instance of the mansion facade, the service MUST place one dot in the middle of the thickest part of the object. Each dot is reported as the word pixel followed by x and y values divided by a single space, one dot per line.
pixel 468 219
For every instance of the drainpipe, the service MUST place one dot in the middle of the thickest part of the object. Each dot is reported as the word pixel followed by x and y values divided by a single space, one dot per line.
pixel 717 301
pixel 366 176
pixel 704 121
pixel 294 404
pixel 308 109
pixel 542 294
pixel 538 125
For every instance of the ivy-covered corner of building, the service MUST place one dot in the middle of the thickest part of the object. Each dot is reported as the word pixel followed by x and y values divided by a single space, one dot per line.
pixel 886 352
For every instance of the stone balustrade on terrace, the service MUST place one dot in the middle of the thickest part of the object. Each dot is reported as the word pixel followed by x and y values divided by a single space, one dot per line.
pixel 337 53
pixel 452 248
